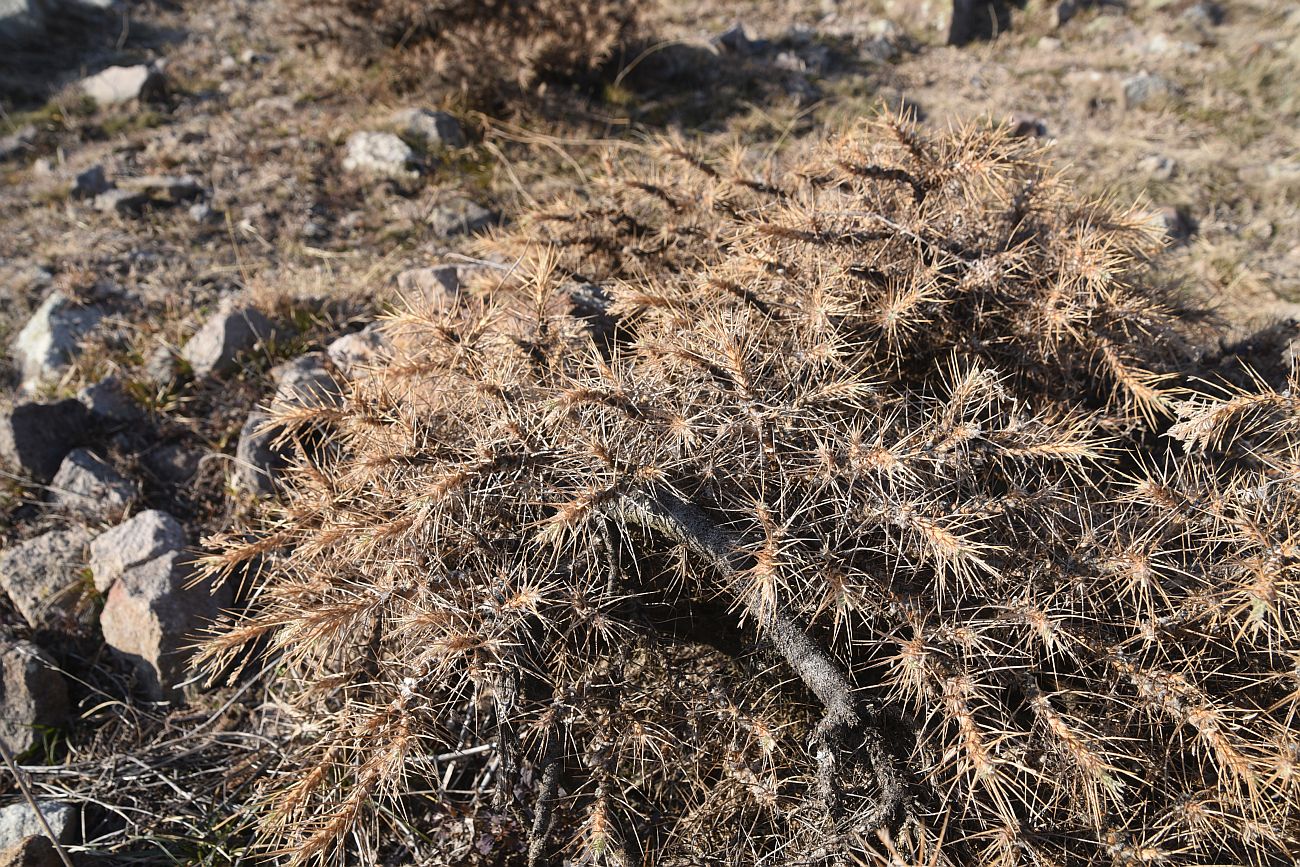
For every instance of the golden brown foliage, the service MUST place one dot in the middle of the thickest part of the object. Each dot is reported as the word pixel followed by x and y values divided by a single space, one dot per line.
pixel 842 521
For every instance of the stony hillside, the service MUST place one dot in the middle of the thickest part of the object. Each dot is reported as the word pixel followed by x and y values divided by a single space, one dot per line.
pixel 206 207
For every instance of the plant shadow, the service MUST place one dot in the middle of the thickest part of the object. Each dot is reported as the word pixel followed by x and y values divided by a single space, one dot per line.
pixel 39 56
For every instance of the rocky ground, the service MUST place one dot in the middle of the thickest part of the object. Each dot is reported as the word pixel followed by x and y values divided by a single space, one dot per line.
pixel 201 214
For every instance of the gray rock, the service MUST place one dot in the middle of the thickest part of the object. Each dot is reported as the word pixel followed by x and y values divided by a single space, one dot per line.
pixel 118 84
pixel 42 576
pixel 90 488
pixel 817 57
pixel 152 617
pixel 35 437
pixel 34 851
pixel 148 535
pixel 19 821
pixel 1146 90
pixel 91 183
pixel 201 212
pixel 304 381
pixel 880 49
pixel 159 366
pixel 172 188
pixel 1160 43
pixel 589 301
pixel 107 401
pixel 884 28
pixel 172 463
pixel 229 333
pixel 790 61
pixel 459 216
pixel 883 42
pixel 45 347
pixel 353 353
pixel 438 285
pixel 800 89
pixel 429 129
pixel 130 196
pixel 1158 166
pixel 314 231
pixel 379 153
pixel 256 459
pixel 35 698
pixel 127 203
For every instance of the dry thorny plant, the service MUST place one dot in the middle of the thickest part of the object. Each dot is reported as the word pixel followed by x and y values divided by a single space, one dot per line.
pixel 828 510
pixel 489 49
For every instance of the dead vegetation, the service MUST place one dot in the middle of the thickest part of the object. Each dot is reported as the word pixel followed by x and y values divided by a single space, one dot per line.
pixel 856 507
pixel 1114 685
pixel 485 49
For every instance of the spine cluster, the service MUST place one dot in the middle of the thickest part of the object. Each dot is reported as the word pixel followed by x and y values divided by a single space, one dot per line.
pixel 865 516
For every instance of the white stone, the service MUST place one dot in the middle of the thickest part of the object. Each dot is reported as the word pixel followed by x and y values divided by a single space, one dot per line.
pixel 108 402
pixel 1158 166
pixel 230 332
pixel 19 821
pixel 89 487
pixel 34 697
pixel 148 535
pixel 354 353
pixel 439 284
pixel 153 616
pixel 39 573
pixel 302 382
pixel 175 188
pixel 118 84
pixel 1146 89
pixel 429 128
pixel 380 153
pixel 257 461
pixel 45 347
pixel 459 216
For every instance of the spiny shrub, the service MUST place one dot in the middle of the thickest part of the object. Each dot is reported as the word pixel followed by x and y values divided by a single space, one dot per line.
pixel 854 508
pixel 485 47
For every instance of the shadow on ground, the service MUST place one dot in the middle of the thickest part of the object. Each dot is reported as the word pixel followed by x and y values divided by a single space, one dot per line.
pixel 73 40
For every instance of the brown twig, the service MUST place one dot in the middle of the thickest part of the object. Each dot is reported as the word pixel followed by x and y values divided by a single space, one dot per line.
pixel 544 807
pixel 842 734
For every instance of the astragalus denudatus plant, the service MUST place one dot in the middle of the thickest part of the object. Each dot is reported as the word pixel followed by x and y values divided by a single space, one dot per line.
pixel 857 506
